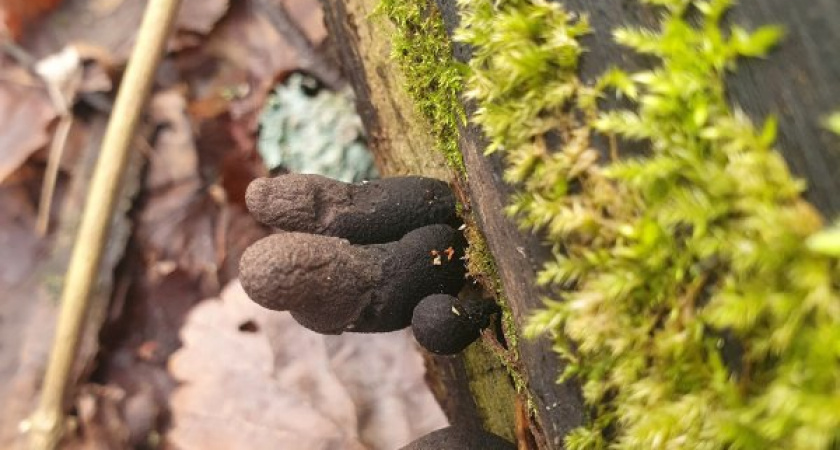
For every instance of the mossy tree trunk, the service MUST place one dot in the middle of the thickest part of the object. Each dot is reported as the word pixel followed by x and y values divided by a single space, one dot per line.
pixel 800 84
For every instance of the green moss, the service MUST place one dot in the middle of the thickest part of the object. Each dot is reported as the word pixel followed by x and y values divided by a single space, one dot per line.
pixel 482 268
pixel 511 332
pixel 492 391
pixel 423 52
pixel 700 317
pixel 480 263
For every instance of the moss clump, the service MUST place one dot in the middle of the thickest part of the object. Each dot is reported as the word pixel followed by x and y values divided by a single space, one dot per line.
pixel 700 317
pixel 433 78
pixel 479 260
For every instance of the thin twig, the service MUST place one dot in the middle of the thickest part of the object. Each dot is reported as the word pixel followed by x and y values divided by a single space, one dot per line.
pixel 16 52
pixel 59 140
pixel 310 58
pixel 46 423
pixel 63 105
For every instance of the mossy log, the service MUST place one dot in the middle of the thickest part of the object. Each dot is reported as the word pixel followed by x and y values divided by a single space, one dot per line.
pixel 800 84
pixel 473 388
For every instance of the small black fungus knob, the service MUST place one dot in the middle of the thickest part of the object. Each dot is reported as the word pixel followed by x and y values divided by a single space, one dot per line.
pixel 331 286
pixel 363 213
pixel 444 325
pixel 460 438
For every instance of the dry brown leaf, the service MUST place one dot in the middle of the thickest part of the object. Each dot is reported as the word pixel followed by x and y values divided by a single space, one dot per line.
pixel 310 17
pixel 230 396
pixel 254 379
pixel 174 159
pixel 384 375
pixel 17 236
pixel 15 15
pixel 29 104
pixel 200 16
pixel 21 345
pixel 112 25
pixel 26 113
pixel 99 415
pixel 28 305
pixel 177 224
pixel 249 42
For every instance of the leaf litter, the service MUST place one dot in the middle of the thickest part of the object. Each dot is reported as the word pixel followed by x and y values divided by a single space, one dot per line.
pixel 178 236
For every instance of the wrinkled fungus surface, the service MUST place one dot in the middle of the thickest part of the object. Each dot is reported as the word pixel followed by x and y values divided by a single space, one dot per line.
pixel 331 285
pixel 363 213
pixel 445 325
pixel 460 438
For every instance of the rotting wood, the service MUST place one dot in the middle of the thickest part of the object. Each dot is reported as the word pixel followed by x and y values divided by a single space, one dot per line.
pixel 401 144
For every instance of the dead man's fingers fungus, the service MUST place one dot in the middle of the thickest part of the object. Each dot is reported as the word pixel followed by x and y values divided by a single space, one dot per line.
pixel 363 213
pixel 331 286
pixel 445 325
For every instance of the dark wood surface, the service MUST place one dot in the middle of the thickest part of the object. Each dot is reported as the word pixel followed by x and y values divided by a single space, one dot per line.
pixel 559 407
pixel 799 82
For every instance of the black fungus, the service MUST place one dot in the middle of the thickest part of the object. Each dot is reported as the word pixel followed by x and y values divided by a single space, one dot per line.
pixel 460 438
pixel 363 213
pixel 331 286
pixel 445 325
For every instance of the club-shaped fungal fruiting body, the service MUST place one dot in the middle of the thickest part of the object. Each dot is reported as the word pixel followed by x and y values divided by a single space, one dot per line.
pixel 445 325
pixel 460 438
pixel 331 286
pixel 363 213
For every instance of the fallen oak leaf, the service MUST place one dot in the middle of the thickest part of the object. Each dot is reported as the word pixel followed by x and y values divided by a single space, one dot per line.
pixel 232 395
pixel 253 378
